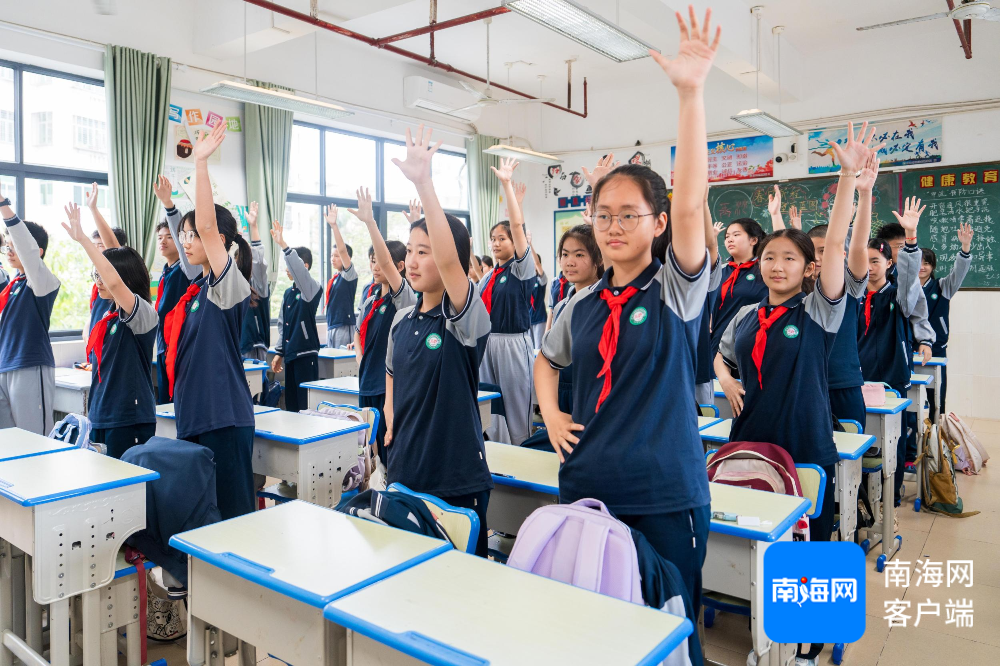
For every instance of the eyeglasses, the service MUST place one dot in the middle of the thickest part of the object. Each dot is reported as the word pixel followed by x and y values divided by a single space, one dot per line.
pixel 97 277
pixel 627 221
pixel 5 249
pixel 187 236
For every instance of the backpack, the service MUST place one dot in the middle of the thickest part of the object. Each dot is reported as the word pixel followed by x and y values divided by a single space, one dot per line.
pixel 399 510
pixel 270 395
pixel 359 473
pixel 582 544
pixel 938 487
pixel 75 429
pixel 760 466
pixel 970 456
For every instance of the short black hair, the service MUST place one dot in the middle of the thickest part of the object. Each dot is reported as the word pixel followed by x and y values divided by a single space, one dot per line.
pixel 487 259
pixel 305 254
pixel 350 250
pixel 119 235
pixel 40 235
pixel 891 231
pixel 162 224
pixel 459 232
pixel 930 257
pixel 819 231
pixel 131 269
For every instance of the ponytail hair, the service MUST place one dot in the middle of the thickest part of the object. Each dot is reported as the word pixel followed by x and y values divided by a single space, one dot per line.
pixel 882 246
pixel 754 231
pixel 131 269
pixel 226 224
pixel 803 243
pixel 397 251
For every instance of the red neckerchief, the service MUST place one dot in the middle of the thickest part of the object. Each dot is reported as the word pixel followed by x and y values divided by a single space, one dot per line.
pixel 95 343
pixel 562 287
pixel 368 317
pixel 760 341
pixel 868 310
pixel 5 294
pixel 93 295
pixel 731 280
pixel 371 288
pixel 329 286
pixel 172 325
pixel 608 346
pixel 488 290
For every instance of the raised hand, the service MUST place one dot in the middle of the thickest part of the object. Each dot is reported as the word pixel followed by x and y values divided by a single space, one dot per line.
pixel 278 236
pixel 331 215
pixel 965 234
pixel 866 179
pixel 209 142
pixel 912 211
pixel 695 54
pixel 415 213
pixel 506 171
pixel 90 198
pixel 774 202
pixel 162 189
pixel 605 165
pixel 419 151
pixel 527 235
pixel 853 155
pixel 252 214
pixel 74 228
pixel 588 216
pixel 717 227
pixel 519 190
pixel 364 209
pixel 795 217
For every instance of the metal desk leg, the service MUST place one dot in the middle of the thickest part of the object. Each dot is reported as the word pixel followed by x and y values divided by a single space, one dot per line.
pixel 33 611
pixel 891 543
pixel 937 394
pixel 848 479
pixel 17 580
pixel 768 652
pixel 91 612
pixel 6 600
pixel 59 642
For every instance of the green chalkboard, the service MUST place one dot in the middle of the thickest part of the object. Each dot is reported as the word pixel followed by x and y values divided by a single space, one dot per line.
pixel 954 195
pixel 812 196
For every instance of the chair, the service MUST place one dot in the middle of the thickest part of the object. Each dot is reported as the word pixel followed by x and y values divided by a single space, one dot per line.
pixel 852 426
pixel 462 525
pixel 708 410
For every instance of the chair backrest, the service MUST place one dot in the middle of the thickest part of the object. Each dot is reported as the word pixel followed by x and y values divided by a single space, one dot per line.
pixel 708 410
pixel 812 478
pixel 852 426
pixel 462 525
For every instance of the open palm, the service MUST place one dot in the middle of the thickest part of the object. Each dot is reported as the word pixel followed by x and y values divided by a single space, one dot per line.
pixel 506 170
pixel 364 209
pixel 419 151
pixel 695 54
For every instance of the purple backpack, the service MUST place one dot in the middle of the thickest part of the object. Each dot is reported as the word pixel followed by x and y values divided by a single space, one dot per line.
pixel 581 544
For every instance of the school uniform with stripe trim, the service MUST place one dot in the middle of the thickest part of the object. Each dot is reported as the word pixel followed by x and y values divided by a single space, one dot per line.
pixel 299 343
pixel 844 367
pixel 340 292
pixel 121 384
pixel 741 285
pixel 704 371
pixel 559 290
pixel 939 292
pixel 565 374
pixel 539 314
pixel 255 339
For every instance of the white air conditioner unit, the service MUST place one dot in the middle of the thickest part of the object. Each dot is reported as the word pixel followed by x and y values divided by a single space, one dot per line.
pixel 422 93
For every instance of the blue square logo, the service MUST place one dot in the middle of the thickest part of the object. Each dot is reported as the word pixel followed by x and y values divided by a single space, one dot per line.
pixel 814 592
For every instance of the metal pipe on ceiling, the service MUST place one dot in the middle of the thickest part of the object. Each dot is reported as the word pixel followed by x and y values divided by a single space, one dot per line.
pixel 370 41
pixel 443 25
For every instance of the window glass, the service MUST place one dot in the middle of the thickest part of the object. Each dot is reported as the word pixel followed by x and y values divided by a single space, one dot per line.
pixel 398 189
pixel 303 169
pixel 67 123
pixel 350 164
pixel 397 226
pixel 448 172
pixel 6 114
pixel 302 229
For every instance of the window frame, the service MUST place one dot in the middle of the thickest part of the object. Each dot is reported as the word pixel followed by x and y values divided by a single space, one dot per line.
pixel 21 171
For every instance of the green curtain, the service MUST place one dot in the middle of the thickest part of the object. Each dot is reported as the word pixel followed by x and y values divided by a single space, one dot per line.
pixel 485 189
pixel 267 135
pixel 137 85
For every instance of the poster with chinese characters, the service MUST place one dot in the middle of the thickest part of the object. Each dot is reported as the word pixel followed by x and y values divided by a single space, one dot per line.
pixel 913 141
pixel 736 159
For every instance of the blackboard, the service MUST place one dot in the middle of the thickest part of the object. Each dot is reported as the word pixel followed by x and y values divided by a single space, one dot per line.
pixel 954 195
pixel 813 196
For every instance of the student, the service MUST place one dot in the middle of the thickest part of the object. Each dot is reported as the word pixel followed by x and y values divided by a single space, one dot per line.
pixel 204 367
pixel 539 313
pixel 174 279
pixel 392 293
pixel 704 389
pixel 104 237
pixel 27 367
pixel 506 292
pixel 883 328
pixel 299 341
pixel 741 284
pixel 255 336
pixel 782 345
pixel 121 408
pixel 631 341
pixel 939 292
pixel 433 434
pixel 341 288
pixel 487 262
pixel 921 332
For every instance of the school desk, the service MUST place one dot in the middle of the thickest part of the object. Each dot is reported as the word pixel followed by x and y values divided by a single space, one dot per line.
pixel 707 421
pixel 72 391
pixel 255 372
pixel 734 562
pixel 265 578
pixel 345 391
pixel 917 395
pixel 330 362
pixel 524 480
pixel 935 366
pixel 69 512
pixel 886 424
pixel 17 443
pixel 461 610
pixel 166 419
pixel 117 610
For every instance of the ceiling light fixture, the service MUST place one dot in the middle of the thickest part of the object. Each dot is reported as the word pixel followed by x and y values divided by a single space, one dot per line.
pixel 762 121
pixel 279 99
pixel 522 154
pixel 571 20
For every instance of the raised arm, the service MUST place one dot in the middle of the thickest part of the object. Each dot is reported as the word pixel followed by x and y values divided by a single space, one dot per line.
pixel 504 174
pixel 711 233
pixel 162 189
pixel 103 228
pixel 382 255
pixel 258 269
pixel 417 169
pixel 687 73
pixel 908 263
pixel 857 253
pixel 300 274
pixel 37 273
pixel 605 165
pixel 952 282
pixel 204 203
pixel 338 238
pixel 774 210
pixel 120 292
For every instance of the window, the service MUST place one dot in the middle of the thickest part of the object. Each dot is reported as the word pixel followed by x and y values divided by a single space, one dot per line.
pixel 53 143
pixel 328 166
pixel 302 229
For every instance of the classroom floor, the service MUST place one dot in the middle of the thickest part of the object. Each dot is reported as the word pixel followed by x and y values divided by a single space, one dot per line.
pixel 924 535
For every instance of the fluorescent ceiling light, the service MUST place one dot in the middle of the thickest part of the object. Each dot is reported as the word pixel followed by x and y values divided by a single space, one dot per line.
pixel 765 123
pixel 279 99
pixel 522 154
pixel 576 22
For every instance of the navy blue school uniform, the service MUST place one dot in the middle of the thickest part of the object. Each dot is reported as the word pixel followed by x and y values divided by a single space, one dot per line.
pixel 299 343
pixel 844 366
pixel 255 338
pixel 741 285
pixel 559 290
pixel 437 436
pixel 121 408
pixel 704 372
pixel 211 397
pixel 787 400
pixel 98 309
pixel 539 314
pixel 173 283
pixel 340 292
pixel 377 314
pixel 883 335
pixel 939 292
pixel 651 478
pixel 565 374
pixel 4 278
